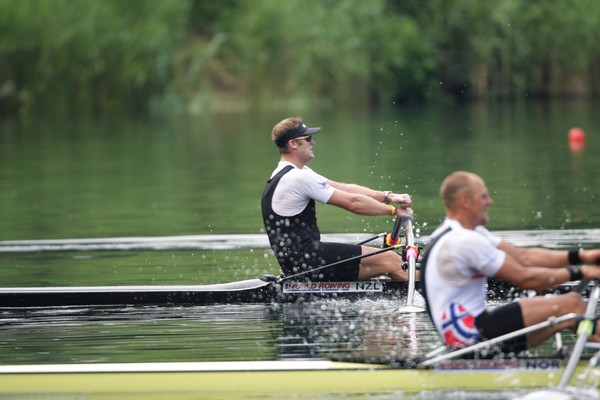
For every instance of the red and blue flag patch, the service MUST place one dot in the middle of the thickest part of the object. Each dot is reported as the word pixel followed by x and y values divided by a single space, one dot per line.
pixel 458 326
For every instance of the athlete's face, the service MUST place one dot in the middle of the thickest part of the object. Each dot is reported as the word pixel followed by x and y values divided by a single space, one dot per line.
pixel 305 146
pixel 480 200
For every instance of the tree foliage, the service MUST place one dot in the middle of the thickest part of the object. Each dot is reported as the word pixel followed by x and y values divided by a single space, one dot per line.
pixel 198 54
pixel 89 54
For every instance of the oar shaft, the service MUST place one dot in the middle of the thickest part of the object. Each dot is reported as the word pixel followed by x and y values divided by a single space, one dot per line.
pixel 581 339
pixel 370 239
pixel 393 238
pixel 395 234
pixel 411 259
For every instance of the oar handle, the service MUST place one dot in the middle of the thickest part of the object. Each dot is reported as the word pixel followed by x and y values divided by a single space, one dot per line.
pixel 393 238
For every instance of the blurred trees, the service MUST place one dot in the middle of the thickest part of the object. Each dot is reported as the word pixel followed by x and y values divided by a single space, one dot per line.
pixel 82 55
pixel 196 55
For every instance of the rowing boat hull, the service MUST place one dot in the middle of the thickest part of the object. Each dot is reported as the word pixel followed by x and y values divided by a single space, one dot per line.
pixel 248 291
pixel 239 292
pixel 265 378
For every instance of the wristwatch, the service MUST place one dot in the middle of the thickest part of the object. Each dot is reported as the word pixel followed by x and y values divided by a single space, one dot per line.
pixel 386 196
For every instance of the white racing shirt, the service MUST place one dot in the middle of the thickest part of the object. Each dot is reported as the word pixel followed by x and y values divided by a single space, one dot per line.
pixel 297 188
pixel 456 279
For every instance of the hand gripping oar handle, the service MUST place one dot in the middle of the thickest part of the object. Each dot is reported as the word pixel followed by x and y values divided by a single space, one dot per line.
pixel 393 238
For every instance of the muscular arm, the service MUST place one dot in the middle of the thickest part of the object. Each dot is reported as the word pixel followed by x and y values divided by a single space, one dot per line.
pixel 359 203
pixel 403 199
pixel 529 256
pixel 531 277
pixel 547 258
pixel 546 274
pixel 357 189
pixel 364 205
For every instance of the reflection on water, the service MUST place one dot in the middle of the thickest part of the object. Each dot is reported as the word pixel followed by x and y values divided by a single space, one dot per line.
pixel 349 330
pixel 212 333
pixel 123 176
pixel 138 334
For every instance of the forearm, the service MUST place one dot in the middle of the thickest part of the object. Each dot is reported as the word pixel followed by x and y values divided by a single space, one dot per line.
pixel 358 189
pixel 549 258
pixel 365 205
pixel 543 258
pixel 403 200
pixel 536 278
pixel 542 278
pixel 536 256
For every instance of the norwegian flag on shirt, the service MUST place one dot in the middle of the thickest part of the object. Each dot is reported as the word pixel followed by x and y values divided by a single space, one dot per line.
pixel 458 326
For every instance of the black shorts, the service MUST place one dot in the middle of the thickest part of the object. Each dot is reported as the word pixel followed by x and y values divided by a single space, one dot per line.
pixel 502 320
pixel 326 253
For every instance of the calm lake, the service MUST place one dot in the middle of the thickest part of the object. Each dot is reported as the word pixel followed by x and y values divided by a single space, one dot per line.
pixel 176 181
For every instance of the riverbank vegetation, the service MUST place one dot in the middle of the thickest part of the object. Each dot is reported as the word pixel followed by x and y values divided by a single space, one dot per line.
pixel 199 55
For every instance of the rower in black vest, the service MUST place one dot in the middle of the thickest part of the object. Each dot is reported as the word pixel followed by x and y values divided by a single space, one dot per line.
pixel 290 219
pixel 296 240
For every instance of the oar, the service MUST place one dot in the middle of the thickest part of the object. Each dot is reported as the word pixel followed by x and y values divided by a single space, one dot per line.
pixel 370 239
pixel 411 257
pixel 393 238
pixel 584 331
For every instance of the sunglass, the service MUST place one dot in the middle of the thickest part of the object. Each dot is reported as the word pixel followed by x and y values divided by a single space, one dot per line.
pixel 309 139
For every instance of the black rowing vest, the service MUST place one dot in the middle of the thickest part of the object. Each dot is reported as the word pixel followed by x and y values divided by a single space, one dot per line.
pixel 292 237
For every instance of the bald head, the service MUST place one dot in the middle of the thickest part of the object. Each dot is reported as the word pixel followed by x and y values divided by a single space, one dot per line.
pixel 456 184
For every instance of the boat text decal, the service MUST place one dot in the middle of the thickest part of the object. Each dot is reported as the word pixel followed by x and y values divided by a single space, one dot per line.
pixel 320 287
pixel 533 364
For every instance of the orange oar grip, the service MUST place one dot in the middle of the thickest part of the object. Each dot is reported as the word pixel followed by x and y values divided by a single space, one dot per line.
pixel 389 241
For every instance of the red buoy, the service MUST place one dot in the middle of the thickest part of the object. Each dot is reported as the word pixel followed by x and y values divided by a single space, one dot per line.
pixel 576 139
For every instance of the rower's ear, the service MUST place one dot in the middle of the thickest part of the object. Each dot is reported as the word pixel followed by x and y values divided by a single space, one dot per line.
pixel 463 200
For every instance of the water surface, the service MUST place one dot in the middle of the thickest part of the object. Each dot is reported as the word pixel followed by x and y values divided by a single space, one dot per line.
pixel 140 202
